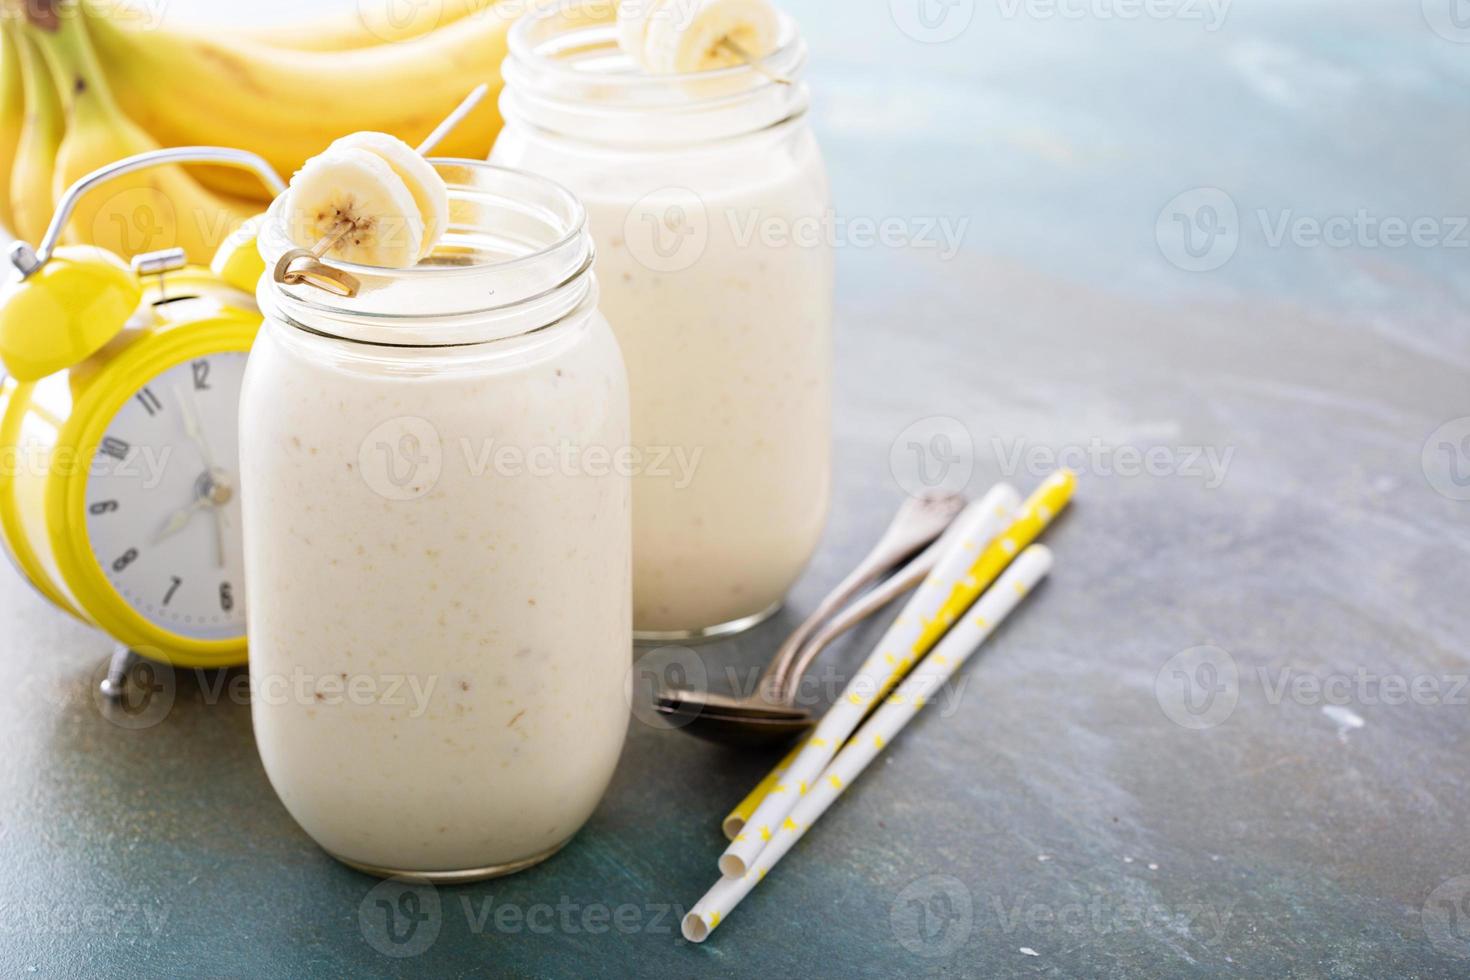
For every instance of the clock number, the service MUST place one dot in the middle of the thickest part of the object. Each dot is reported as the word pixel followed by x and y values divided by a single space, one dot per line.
pixel 115 448
pixel 201 375
pixel 103 507
pixel 226 597
pixel 125 559
pixel 175 582
pixel 150 402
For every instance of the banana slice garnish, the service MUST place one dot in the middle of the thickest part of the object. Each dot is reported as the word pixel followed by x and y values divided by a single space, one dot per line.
pixel 423 181
pixel 373 198
pixel 685 36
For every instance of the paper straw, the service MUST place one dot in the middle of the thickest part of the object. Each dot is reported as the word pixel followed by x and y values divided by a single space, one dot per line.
pixel 1045 503
pixel 971 524
pixel 899 648
pixel 979 522
pixel 944 596
pixel 734 821
pixel 927 678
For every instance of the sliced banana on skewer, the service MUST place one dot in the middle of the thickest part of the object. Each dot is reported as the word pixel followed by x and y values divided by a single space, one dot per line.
pixel 354 199
pixel 370 199
pixel 375 200
pixel 423 181
pixel 685 36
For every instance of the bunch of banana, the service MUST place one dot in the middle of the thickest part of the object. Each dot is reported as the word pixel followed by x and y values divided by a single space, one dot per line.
pixel 282 98
pixel 12 110
pixel 83 84
pixel 71 125
pixel 369 24
pixel 40 135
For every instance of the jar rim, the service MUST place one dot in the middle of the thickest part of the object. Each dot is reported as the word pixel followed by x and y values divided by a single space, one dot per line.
pixel 520 47
pixel 565 72
pixel 576 224
pixel 518 254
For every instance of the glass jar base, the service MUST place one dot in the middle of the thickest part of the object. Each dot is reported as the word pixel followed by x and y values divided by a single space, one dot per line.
pixel 652 637
pixel 453 877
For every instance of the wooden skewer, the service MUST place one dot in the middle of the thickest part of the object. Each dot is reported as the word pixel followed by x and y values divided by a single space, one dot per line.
pixel 739 51
pixel 453 119
pixel 311 269
pixel 327 241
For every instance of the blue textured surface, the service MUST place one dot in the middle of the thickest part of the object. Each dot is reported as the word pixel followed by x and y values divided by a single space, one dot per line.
pixel 1054 809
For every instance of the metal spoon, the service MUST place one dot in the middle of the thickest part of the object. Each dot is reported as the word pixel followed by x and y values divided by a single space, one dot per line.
pixel 770 714
pixel 734 721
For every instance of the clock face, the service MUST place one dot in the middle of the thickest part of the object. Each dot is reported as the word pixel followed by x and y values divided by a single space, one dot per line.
pixel 163 500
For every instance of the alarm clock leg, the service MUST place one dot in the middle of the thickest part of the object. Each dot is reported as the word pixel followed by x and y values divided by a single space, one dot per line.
pixel 116 680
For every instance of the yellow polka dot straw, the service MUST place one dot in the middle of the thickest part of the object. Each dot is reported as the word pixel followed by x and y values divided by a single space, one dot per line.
pixel 977 525
pixel 936 605
pixel 917 689
pixel 953 586
pixel 734 821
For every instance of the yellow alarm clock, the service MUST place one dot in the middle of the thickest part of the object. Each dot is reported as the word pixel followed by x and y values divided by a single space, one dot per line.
pixel 119 462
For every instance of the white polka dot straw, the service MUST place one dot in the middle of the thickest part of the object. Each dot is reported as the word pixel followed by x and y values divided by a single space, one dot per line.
pixel 896 711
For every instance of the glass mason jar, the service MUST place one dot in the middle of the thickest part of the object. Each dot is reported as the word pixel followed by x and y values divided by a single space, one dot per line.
pixel 437 541
pixel 707 197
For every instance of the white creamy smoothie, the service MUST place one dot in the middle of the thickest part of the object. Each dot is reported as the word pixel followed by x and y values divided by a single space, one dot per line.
pixel 437 558
pixel 708 202
pixel 729 361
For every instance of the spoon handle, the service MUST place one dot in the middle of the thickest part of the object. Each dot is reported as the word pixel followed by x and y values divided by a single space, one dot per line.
pixel 901 581
pixel 918 523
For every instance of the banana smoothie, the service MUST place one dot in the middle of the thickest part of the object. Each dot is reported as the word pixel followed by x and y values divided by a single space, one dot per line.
pixel 437 543
pixel 708 198
pixel 729 364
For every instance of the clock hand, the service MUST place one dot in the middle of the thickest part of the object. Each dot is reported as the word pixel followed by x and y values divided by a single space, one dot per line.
pixel 192 429
pixel 219 495
pixel 219 534
pixel 212 492
pixel 180 519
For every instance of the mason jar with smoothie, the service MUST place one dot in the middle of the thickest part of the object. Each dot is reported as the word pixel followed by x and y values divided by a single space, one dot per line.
pixel 437 532
pixel 687 138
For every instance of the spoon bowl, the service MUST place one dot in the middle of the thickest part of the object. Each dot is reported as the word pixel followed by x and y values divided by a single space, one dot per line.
pixel 770 714
pixel 731 721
